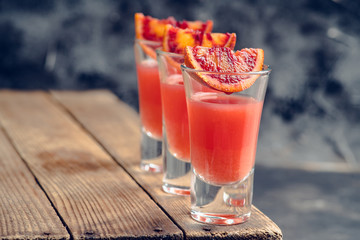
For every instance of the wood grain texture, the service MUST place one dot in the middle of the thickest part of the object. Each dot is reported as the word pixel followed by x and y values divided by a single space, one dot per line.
pixel 107 119
pixel 92 193
pixel 25 211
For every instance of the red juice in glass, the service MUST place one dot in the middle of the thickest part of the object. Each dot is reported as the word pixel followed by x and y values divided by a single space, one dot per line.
pixel 176 146
pixel 150 97
pixel 224 131
pixel 176 117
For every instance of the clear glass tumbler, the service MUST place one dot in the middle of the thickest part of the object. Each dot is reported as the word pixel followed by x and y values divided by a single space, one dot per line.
pixel 149 105
pixel 176 146
pixel 223 137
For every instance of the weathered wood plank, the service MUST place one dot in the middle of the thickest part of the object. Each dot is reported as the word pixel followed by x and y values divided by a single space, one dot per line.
pixel 25 211
pixel 94 195
pixel 107 119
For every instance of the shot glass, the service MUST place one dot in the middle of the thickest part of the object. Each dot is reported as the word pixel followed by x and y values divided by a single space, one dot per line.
pixel 176 146
pixel 149 105
pixel 223 138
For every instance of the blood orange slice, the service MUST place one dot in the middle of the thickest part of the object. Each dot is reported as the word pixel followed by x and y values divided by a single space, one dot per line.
pixel 176 39
pixel 150 28
pixel 219 40
pixel 153 29
pixel 205 27
pixel 223 60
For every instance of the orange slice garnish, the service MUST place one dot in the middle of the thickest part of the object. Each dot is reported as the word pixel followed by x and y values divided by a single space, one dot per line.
pixel 219 40
pixel 224 60
pixel 204 27
pixel 153 29
pixel 150 28
pixel 176 39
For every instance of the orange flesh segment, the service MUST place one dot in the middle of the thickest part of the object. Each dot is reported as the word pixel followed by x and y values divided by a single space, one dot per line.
pixel 153 29
pixel 205 27
pixel 176 39
pixel 224 60
pixel 219 40
pixel 150 28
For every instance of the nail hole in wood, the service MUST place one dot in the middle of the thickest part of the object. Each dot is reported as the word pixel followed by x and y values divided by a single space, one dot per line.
pixel 158 229
pixel 208 229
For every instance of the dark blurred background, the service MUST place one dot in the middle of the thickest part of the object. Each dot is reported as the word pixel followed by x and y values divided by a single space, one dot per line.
pixel 308 161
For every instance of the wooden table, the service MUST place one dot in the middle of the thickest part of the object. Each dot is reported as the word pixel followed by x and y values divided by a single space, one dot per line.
pixel 69 169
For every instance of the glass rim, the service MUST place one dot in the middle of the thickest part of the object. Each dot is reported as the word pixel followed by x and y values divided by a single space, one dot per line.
pixel 148 42
pixel 162 52
pixel 266 71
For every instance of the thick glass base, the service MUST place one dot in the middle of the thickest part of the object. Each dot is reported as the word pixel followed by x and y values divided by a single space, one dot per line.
pixel 177 175
pixel 151 153
pixel 222 205
pixel 219 219
pixel 176 190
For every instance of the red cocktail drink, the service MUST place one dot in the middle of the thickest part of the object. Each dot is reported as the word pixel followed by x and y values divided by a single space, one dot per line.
pixel 149 104
pixel 176 150
pixel 176 117
pixel 224 132
pixel 150 97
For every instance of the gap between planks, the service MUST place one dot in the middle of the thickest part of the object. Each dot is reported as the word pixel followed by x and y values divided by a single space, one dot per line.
pixel 33 121
pixel 26 211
